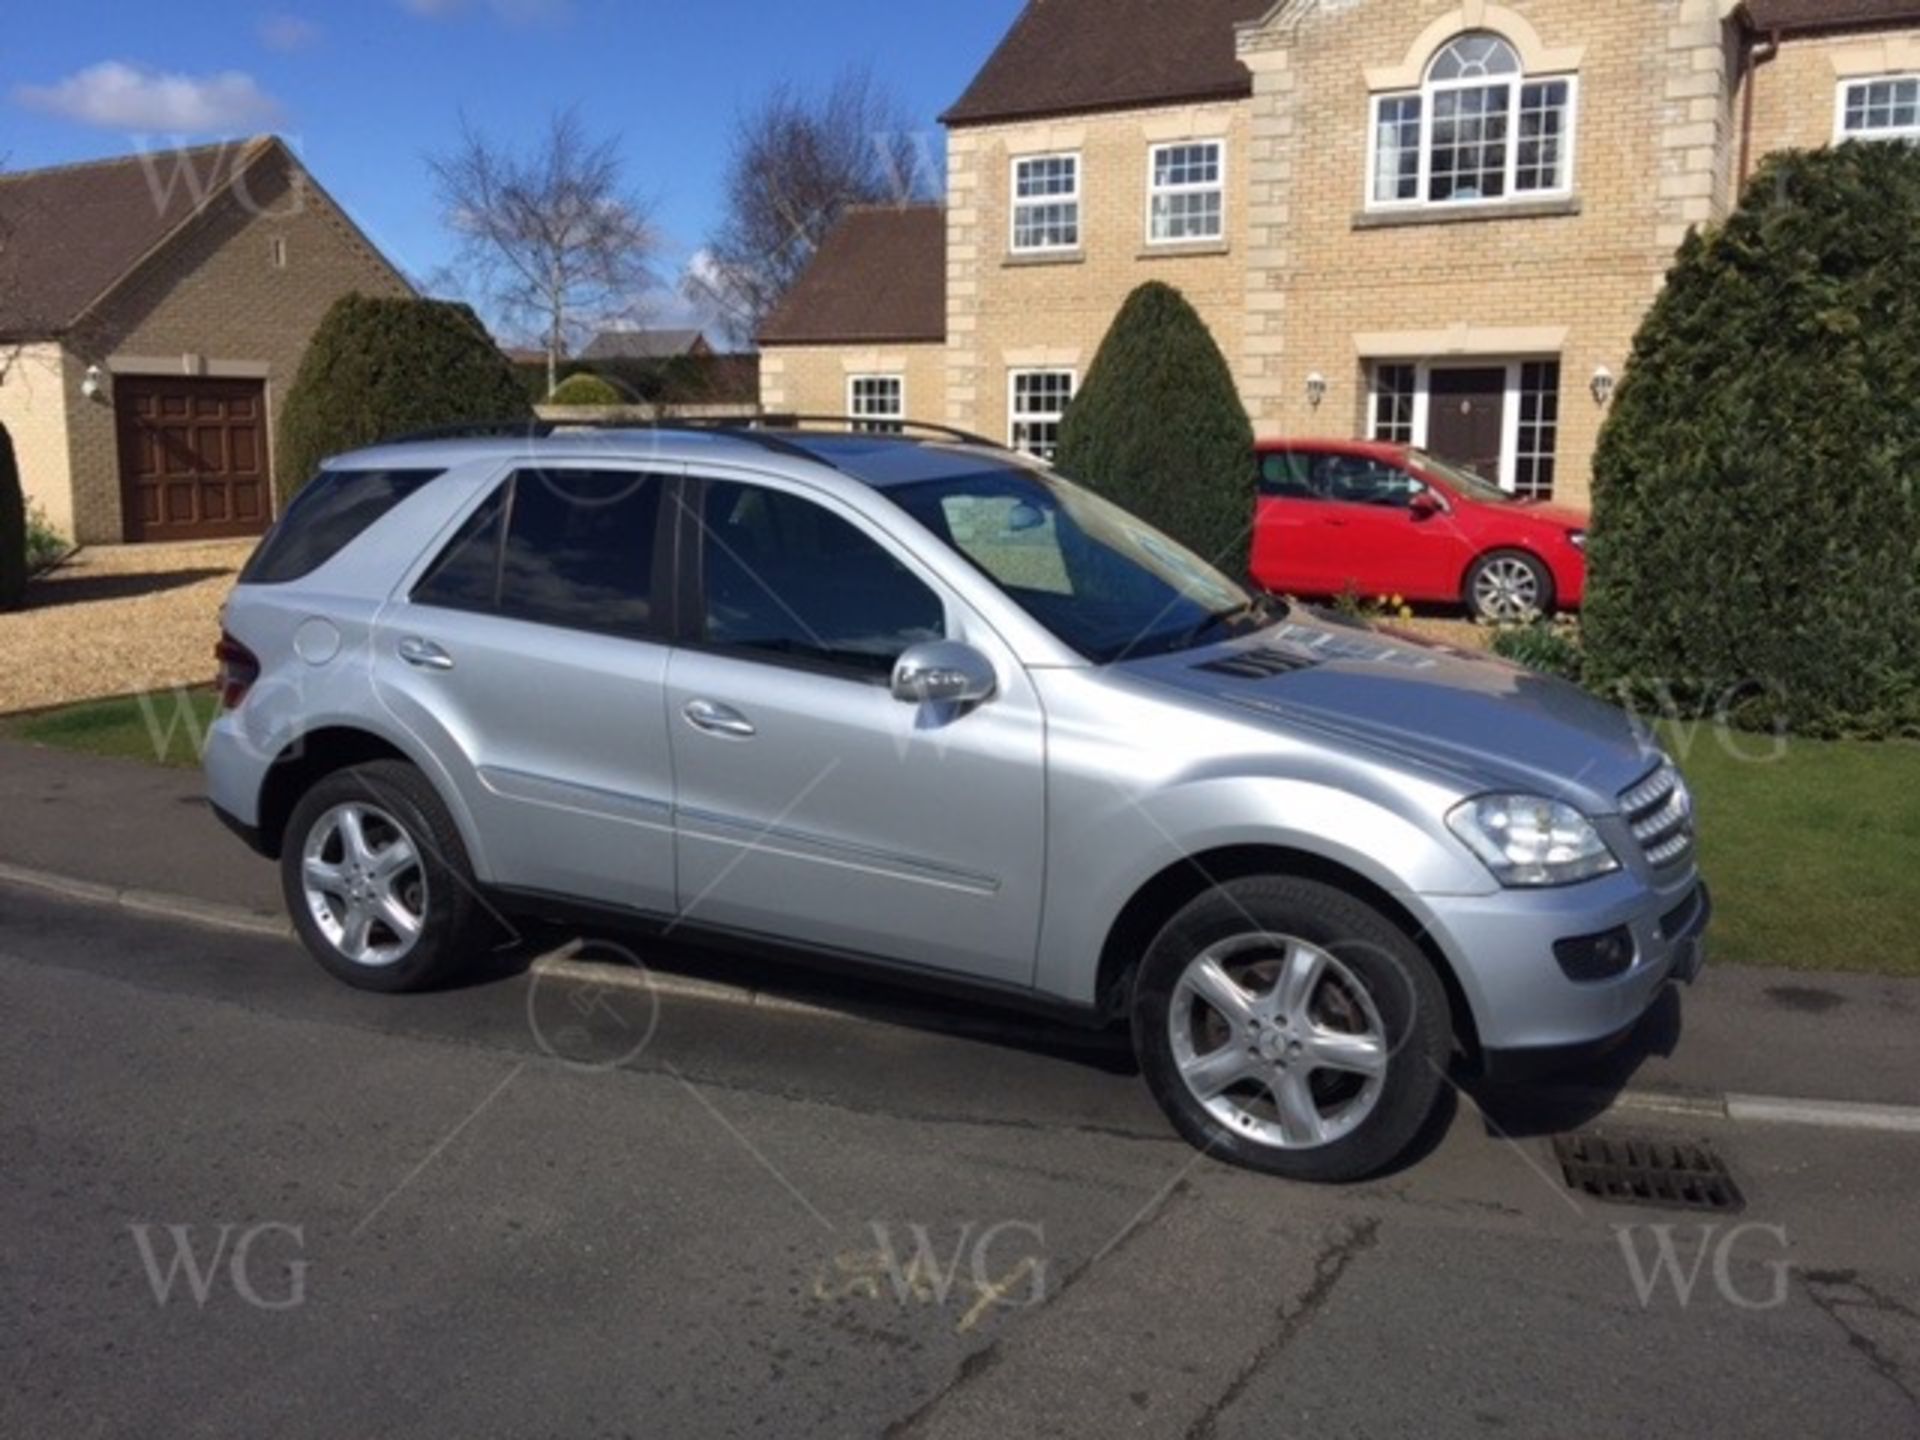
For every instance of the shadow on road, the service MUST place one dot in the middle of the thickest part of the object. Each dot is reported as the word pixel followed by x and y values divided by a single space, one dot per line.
pixel 1555 1102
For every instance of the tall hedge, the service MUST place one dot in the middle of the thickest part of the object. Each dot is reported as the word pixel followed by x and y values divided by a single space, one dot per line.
pixel 1756 534
pixel 383 367
pixel 13 528
pixel 1158 427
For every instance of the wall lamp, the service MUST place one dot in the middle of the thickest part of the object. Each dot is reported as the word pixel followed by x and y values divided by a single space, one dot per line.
pixel 1316 389
pixel 1603 385
pixel 93 382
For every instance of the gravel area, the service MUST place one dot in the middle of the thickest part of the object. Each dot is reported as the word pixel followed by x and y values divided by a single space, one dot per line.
pixel 115 619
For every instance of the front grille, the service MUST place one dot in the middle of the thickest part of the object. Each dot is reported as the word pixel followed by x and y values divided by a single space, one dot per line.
pixel 1660 814
pixel 1262 663
pixel 1679 920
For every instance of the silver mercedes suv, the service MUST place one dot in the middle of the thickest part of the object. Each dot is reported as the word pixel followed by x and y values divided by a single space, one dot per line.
pixel 924 705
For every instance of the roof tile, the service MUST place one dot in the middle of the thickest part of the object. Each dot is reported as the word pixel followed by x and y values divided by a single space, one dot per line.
pixel 1063 56
pixel 880 275
pixel 1769 15
pixel 68 234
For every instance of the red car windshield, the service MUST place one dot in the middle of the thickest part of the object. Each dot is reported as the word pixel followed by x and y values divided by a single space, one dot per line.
pixel 1474 487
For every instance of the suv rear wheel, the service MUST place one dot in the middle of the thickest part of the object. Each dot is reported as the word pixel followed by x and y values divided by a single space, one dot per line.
pixel 1288 1027
pixel 377 881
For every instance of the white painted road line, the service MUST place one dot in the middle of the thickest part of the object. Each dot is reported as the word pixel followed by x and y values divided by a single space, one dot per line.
pixel 1827 1114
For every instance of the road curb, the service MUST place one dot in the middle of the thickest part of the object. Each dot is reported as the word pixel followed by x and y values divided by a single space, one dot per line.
pixel 149 902
pixel 559 965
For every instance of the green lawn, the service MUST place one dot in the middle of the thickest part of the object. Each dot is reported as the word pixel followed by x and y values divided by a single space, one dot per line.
pixel 164 728
pixel 1814 858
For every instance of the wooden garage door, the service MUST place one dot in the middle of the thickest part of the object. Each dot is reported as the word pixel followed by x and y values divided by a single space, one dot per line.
pixel 193 457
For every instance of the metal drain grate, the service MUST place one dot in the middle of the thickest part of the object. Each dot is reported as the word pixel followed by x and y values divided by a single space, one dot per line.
pixel 1648 1170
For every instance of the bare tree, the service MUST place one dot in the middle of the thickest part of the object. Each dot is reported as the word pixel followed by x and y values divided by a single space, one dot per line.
pixel 798 162
pixel 553 241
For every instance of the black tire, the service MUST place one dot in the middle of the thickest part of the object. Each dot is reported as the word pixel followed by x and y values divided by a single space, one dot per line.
pixel 1406 995
pixel 455 926
pixel 1477 601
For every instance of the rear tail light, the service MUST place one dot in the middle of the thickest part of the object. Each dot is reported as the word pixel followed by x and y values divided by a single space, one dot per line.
pixel 239 668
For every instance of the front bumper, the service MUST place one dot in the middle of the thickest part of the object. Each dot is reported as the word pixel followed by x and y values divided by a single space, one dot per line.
pixel 1502 949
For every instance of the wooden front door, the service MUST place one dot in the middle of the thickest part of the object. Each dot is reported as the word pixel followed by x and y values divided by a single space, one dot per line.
pixel 1466 417
pixel 193 457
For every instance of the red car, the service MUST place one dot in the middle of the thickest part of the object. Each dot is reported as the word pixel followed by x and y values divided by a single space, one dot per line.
pixel 1379 519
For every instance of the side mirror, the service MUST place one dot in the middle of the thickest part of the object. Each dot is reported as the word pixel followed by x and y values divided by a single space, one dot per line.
pixel 946 672
pixel 1425 505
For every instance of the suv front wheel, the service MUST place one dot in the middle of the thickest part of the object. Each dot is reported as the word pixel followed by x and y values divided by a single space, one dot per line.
pixel 1285 1026
pixel 377 881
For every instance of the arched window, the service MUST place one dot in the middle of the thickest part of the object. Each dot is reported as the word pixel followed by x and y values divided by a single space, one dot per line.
pixel 1479 130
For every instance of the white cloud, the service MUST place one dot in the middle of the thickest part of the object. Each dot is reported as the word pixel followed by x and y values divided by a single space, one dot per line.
pixel 288 32
pixel 517 12
pixel 119 96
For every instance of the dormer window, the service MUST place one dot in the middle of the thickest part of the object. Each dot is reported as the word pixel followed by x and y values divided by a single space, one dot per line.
pixel 1478 131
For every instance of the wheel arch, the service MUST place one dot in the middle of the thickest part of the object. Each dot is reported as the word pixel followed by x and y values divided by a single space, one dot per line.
pixel 327 749
pixel 1156 901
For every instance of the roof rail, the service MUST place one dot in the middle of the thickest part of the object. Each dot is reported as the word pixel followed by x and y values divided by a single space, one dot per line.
pixel 862 424
pixel 755 429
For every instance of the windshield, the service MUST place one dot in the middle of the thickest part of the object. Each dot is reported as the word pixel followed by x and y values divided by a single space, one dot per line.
pixel 1109 585
pixel 1474 487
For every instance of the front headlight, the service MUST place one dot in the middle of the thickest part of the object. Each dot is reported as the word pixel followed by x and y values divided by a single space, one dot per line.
pixel 1530 840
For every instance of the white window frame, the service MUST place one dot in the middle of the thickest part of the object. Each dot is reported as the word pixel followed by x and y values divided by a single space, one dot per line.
pixel 1426 95
pixel 1015 418
pixel 1155 191
pixel 1015 202
pixel 869 423
pixel 1843 92
pixel 1514 365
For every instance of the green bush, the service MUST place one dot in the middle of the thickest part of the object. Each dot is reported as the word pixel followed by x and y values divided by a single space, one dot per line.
pixel 1552 649
pixel 44 543
pixel 1756 534
pixel 1159 428
pixel 585 389
pixel 13 528
pixel 380 367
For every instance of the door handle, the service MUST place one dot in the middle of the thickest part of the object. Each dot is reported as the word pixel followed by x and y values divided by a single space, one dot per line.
pixel 424 654
pixel 718 719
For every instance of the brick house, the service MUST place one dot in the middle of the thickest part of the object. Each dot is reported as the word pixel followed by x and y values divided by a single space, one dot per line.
pixel 153 310
pixel 1437 221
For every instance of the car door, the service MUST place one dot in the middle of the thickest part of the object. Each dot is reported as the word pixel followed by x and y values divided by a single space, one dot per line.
pixel 1288 540
pixel 529 655
pixel 812 805
pixel 1377 543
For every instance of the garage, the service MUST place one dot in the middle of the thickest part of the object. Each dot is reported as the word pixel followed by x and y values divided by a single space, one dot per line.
pixel 193 457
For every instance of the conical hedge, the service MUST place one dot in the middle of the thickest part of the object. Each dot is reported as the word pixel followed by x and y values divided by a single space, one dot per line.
pixel 13 528
pixel 1756 536
pixel 383 367
pixel 1158 427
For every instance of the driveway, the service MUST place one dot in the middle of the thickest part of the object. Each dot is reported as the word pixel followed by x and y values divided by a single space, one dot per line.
pixel 115 619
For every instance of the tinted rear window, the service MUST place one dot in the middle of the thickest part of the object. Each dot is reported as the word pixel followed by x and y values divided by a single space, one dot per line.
pixel 333 508
pixel 578 552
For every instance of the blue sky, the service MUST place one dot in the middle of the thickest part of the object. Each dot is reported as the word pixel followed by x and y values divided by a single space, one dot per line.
pixel 364 89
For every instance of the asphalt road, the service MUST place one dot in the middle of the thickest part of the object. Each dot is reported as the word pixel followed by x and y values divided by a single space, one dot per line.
pixel 239 1199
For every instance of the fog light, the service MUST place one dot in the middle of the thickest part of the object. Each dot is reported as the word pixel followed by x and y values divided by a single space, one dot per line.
pixel 1596 957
